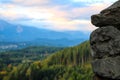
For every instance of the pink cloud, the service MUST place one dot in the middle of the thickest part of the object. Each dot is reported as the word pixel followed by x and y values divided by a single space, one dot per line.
pixel 88 10
pixel 57 18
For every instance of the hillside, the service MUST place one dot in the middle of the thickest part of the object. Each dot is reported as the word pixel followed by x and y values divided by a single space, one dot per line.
pixel 28 54
pixel 69 64
pixel 77 55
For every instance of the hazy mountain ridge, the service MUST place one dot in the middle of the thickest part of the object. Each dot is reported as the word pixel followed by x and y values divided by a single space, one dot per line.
pixel 19 33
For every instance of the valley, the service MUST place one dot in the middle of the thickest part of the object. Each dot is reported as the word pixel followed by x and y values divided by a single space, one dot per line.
pixel 47 63
pixel 29 53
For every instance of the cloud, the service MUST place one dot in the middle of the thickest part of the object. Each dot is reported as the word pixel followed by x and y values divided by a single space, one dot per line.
pixel 94 1
pixel 87 11
pixel 10 12
pixel 31 2
pixel 79 25
pixel 14 12
pixel 40 13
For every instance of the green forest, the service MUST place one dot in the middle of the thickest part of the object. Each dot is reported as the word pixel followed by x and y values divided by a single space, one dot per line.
pixel 29 54
pixel 72 63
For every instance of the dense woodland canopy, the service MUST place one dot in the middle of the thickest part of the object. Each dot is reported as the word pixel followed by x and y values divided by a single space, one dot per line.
pixel 28 54
pixel 71 63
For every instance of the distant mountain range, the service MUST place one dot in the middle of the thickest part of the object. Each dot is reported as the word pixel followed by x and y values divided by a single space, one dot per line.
pixel 36 36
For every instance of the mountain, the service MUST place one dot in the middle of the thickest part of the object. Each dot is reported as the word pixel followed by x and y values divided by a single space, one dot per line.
pixel 20 33
pixel 72 63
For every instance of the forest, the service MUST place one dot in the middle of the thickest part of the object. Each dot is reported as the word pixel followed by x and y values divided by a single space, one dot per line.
pixel 72 63
pixel 28 54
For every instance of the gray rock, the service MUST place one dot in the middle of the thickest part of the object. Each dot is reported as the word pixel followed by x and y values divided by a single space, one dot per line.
pixel 108 17
pixel 105 41
pixel 108 67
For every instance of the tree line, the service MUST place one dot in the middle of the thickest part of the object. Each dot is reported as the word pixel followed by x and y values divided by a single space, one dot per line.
pixel 72 63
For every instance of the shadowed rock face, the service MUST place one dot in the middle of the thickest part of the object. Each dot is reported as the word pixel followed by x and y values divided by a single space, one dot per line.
pixel 105 43
pixel 108 17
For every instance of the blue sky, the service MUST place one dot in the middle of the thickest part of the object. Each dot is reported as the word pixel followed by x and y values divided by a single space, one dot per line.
pixel 58 15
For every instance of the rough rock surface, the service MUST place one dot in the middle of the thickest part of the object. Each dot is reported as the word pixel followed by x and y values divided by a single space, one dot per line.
pixel 108 67
pixel 105 43
pixel 108 17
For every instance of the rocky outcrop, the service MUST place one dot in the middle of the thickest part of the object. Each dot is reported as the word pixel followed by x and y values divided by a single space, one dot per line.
pixel 105 43
pixel 108 17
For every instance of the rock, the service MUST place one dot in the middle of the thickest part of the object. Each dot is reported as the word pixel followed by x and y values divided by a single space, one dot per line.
pixel 105 41
pixel 108 17
pixel 108 67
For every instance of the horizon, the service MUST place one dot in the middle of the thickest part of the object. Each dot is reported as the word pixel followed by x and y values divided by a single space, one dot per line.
pixel 69 15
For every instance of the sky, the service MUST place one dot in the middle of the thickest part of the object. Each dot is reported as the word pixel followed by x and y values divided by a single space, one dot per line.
pixel 58 15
